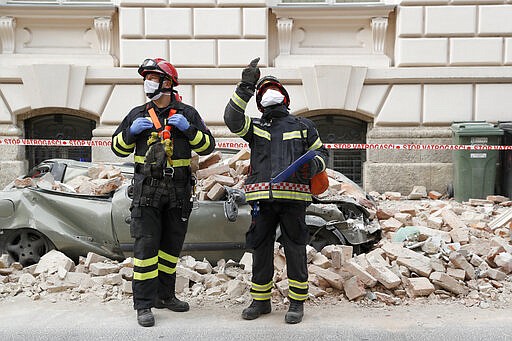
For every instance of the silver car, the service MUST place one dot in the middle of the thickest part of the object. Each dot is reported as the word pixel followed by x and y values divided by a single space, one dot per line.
pixel 34 220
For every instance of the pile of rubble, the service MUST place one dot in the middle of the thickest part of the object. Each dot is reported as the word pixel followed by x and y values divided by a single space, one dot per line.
pixel 99 180
pixel 431 248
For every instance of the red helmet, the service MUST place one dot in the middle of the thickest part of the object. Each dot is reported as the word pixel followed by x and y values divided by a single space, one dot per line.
pixel 270 82
pixel 159 65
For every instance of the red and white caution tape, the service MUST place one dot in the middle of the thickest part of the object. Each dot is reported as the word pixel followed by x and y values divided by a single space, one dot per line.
pixel 239 144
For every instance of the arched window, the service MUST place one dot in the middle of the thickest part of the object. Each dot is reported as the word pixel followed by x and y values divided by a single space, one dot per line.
pixel 343 129
pixel 58 127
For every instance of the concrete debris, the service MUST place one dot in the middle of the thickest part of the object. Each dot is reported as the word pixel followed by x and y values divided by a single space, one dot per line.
pixel 437 250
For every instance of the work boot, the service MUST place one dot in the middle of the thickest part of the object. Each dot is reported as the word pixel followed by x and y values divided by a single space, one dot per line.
pixel 256 309
pixel 145 317
pixel 172 303
pixel 295 312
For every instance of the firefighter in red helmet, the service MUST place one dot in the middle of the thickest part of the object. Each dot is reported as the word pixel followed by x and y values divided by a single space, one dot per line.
pixel 162 134
pixel 276 140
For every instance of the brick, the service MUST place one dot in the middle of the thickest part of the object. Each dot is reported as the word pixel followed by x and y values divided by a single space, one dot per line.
pixel 203 267
pixel 485 51
pixel 254 22
pixel 384 213
pixel 102 269
pixel 385 276
pixel 363 275
pixel 422 51
pixel 94 258
pixel 190 274
pixel 495 274
pixel 126 287
pixel 205 19
pixel 332 278
pixel 495 19
pixel 204 173
pixel 354 288
pixel 419 286
pixel 434 195
pixel 321 261
pixel 51 261
pixel 168 22
pixel 216 192
pixel 134 51
pixel 450 20
pixel 391 224
pixel 458 274
pixel 426 231
pixel 188 52
pixel 236 52
pixel 460 262
pixel 242 155
pixel 410 21
pixel 340 255
pixel 404 218
pixel 412 260
pixel 442 100
pixel 448 283
pixel 418 192
pixel 126 273
pixel 131 22
pixel 223 180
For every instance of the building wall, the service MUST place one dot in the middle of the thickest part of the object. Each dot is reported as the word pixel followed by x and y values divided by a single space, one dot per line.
pixel 408 69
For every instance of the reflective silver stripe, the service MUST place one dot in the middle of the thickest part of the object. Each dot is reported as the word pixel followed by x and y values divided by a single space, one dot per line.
pixel 316 145
pixel 261 133
pixel 263 287
pixel 297 297
pixel 298 285
pixel 246 127
pixel 321 160
pixel 294 135
pixel 239 101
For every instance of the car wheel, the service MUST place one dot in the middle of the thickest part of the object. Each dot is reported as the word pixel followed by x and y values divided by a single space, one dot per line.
pixel 27 246
pixel 321 237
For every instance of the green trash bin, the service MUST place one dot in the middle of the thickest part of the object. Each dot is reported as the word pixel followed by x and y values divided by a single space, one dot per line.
pixel 474 170
pixel 506 160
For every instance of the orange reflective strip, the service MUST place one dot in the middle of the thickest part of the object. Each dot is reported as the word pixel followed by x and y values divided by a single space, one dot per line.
pixel 154 118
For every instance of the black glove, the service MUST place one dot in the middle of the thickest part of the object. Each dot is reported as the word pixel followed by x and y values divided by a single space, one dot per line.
pixel 250 75
pixel 308 170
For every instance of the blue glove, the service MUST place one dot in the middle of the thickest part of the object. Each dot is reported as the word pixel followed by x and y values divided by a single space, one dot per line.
pixel 179 121
pixel 139 125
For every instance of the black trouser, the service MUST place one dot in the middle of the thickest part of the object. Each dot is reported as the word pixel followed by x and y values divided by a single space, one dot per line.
pixel 266 215
pixel 159 230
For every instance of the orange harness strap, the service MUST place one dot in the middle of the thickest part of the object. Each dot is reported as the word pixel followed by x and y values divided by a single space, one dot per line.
pixel 154 119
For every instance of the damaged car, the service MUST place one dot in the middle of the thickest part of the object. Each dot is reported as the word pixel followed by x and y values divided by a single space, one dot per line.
pixel 41 212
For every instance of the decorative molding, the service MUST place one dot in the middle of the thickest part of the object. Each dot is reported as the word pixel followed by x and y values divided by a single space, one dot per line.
pixel 379 28
pixel 103 28
pixel 7 26
pixel 284 33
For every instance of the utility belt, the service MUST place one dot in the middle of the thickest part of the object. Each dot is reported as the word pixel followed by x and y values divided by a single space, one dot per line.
pixel 178 174
pixel 173 188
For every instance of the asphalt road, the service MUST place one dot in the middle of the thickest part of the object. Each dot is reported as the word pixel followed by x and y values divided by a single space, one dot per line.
pixel 23 319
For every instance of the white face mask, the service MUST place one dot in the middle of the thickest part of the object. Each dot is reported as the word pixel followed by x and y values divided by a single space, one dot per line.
pixel 271 97
pixel 150 87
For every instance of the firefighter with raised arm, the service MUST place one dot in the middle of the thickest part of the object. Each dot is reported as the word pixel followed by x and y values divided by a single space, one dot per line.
pixel 162 134
pixel 277 139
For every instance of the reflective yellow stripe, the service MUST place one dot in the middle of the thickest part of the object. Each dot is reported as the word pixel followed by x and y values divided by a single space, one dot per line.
pixel 297 297
pixel 246 127
pixel 263 287
pixel 198 138
pixel 261 297
pixel 205 145
pixel 257 195
pixel 294 135
pixel 316 145
pixel 141 276
pixel 139 158
pixel 239 101
pixel 166 269
pixel 298 285
pixel 322 161
pixel 291 195
pixel 167 257
pixel 261 133
pixel 120 151
pixel 122 143
pixel 145 262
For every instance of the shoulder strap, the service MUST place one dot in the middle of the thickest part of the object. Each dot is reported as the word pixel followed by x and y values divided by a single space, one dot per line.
pixel 154 119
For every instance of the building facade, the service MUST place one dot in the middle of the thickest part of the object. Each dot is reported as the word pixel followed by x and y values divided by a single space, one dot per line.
pixel 365 72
